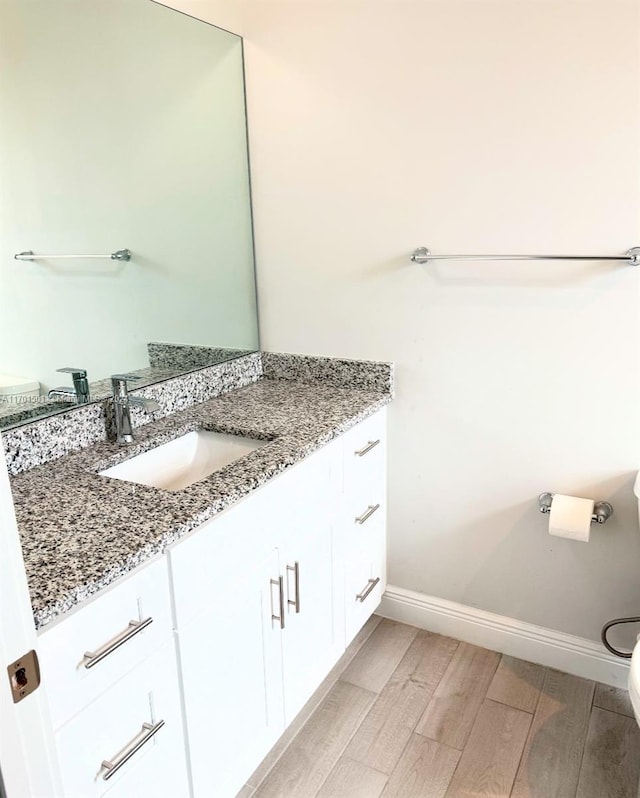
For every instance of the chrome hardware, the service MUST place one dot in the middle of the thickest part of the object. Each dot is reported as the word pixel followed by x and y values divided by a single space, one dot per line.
pixel 279 583
pixel 94 657
pixel 421 255
pixel 631 257
pixel 150 405
pixel 602 511
pixel 296 581
pixel 367 513
pixel 63 393
pixel 120 254
pixel 370 586
pixel 24 676
pixel 126 377
pixel 544 502
pixel 122 404
pixel 148 731
pixel 634 255
pixel 80 391
pixel 121 407
pixel 370 445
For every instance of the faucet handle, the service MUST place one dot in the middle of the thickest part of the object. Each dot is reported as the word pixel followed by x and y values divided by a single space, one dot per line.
pixel 81 373
pixel 119 385
pixel 80 383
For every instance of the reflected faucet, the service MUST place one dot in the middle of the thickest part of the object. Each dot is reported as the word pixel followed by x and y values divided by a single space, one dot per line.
pixel 79 394
pixel 122 404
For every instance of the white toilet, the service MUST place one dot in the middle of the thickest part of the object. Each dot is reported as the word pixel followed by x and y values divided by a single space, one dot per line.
pixel 634 671
pixel 634 683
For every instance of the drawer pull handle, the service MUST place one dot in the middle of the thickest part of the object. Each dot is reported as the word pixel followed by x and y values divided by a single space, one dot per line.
pixel 360 519
pixel 94 657
pixel 370 585
pixel 144 735
pixel 296 580
pixel 370 445
pixel 279 583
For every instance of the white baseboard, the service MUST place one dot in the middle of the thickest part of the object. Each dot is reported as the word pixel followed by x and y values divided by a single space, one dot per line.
pixel 565 652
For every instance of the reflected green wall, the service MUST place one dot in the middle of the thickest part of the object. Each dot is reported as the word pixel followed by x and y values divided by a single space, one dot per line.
pixel 122 124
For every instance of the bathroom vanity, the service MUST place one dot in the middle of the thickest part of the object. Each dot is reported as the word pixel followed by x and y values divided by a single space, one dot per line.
pixel 198 622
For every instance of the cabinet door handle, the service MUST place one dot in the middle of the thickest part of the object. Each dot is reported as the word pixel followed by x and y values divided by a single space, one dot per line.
pixel 296 580
pixel 92 658
pixel 360 519
pixel 370 585
pixel 370 445
pixel 279 583
pixel 148 730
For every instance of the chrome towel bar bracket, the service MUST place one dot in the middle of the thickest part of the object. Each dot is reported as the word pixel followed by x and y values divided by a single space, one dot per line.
pixel 602 511
pixel 631 257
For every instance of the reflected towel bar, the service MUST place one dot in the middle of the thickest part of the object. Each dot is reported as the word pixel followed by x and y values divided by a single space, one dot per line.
pixel 121 254
pixel 631 257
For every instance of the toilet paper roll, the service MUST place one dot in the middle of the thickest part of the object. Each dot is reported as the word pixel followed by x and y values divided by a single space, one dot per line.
pixel 570 517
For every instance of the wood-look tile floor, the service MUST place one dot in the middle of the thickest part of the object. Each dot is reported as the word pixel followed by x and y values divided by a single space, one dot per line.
pixel 417 715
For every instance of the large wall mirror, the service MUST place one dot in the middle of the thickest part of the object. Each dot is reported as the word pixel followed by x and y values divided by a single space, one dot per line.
pixel 122 127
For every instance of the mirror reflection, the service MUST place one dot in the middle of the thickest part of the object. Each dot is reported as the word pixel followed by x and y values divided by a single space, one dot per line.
pixel 122 127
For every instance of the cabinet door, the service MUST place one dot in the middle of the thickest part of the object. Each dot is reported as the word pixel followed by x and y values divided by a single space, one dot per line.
pixel 312 640
pixel 231 665
pixel 313 635
pixel 212 556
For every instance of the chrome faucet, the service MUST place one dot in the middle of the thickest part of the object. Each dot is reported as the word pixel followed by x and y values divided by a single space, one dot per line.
pixel 122 404
pixel 80 391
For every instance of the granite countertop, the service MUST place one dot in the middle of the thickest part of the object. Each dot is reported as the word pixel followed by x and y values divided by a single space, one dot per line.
pixel 81 531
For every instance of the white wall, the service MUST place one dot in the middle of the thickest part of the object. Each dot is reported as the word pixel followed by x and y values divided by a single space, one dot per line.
pixel 469 126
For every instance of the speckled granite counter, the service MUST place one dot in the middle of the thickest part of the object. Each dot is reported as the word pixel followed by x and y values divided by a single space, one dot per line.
pixel 81 532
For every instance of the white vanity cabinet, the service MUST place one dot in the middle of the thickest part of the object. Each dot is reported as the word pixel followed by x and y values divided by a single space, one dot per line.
pixel 257 627
pixel 111 677
pixel 248 614
pixel 268 594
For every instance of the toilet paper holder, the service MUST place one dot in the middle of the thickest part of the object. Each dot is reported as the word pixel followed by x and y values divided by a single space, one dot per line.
pixel 602 511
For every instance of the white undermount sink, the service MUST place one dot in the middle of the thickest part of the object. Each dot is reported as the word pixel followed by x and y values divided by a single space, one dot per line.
pixel 182 462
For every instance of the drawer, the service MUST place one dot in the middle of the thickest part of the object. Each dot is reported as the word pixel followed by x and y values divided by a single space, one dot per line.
pixel 366 558
pixel 73 680
pixel 362 513
pixel 365 458
pixel 367 541
pixel 112 727
pixel 365 582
